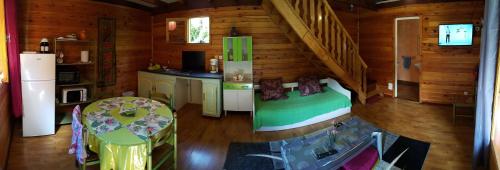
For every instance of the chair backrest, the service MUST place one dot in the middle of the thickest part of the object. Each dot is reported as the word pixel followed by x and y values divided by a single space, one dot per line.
pixel 170 133
pixel 78 136
pixel 163 98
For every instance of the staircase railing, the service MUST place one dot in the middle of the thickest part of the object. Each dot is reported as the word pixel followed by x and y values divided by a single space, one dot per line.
pixel 321 21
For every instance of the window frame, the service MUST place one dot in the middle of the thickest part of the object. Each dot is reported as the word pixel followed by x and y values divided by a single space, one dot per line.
pixel 188 31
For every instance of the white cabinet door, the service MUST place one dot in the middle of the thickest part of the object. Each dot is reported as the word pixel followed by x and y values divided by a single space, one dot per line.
pixel 165 85
pixel 245 100
pixel 145 84
pixel 231 100
pixel 210 98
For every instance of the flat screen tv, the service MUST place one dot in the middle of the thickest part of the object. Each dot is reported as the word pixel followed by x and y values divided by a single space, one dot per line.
pixel 193 61
pixel 455 34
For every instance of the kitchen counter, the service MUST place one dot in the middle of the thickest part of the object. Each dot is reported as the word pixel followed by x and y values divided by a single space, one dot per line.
pixel 187 74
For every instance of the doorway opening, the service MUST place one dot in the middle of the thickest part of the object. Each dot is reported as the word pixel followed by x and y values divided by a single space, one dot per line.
pixel 407 58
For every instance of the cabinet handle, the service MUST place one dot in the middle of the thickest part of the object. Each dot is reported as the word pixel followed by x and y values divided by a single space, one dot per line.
pixel 204 97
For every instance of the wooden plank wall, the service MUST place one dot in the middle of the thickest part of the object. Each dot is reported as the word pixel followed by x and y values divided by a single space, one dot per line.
pixel 274 55
pixel 5 124
pixel 349 19
pixel 51 18
pixel 447 72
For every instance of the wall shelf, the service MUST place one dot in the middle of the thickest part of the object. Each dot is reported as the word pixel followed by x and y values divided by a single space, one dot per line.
pixel 88 70
pixel 75 103
pixel 75 64
pixel 74 41
pixel 82 83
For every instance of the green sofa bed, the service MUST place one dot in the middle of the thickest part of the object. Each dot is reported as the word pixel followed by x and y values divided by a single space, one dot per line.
pixel 298 111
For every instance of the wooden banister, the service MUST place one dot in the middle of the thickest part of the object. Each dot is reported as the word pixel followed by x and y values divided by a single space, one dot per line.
pixel 320 28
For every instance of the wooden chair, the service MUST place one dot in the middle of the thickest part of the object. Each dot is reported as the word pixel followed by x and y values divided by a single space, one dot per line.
pixel 468 101
pixel 163 98
pixel 461 103
pixel 164 148
pixel 92 157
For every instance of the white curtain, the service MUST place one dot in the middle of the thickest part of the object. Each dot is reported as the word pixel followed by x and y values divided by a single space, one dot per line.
pixel 486 84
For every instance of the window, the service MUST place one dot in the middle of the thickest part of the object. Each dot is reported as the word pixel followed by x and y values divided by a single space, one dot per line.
pixel 199 30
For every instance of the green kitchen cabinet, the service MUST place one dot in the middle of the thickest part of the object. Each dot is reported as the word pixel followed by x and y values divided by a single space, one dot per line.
pixel 238 74
pixel 237 49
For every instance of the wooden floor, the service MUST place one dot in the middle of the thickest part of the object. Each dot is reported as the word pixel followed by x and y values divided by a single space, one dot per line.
pixel 203 141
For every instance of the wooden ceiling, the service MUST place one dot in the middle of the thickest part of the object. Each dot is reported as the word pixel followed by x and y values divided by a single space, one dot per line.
pixel 380 4
pixel 163 6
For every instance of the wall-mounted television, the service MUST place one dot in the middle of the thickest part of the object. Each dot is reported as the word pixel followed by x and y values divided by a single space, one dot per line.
pixel 193 61
pixel 455 34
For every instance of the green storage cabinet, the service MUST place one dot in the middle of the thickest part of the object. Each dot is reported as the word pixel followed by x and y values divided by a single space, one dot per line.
pixel 238 74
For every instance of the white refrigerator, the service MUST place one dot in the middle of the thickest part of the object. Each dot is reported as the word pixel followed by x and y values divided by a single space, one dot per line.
pixel 38 92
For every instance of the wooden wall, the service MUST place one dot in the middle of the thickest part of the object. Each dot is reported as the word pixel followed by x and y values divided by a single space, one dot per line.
pixel 349 18
pixel 5 124
pixel 447 72
pixel 274 55
pixel 52 18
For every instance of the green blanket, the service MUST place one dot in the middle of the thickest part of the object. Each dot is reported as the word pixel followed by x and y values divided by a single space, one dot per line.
pixel 297 108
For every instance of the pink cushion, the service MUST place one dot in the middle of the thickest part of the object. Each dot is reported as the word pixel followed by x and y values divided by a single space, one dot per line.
pixel 365 160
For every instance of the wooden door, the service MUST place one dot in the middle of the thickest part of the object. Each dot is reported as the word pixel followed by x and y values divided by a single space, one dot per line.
pixel 408 62
pixel 408 35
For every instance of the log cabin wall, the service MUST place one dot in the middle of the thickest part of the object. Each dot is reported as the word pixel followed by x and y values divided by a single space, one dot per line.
pixel 274 55
pixel 5 124
pixel 446 72
pixel 51 18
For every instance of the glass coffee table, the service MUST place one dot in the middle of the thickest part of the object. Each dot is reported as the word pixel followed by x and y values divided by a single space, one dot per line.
pixel 320 150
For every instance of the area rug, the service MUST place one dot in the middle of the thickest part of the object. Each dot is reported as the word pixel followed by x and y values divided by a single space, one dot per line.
pixel 237 159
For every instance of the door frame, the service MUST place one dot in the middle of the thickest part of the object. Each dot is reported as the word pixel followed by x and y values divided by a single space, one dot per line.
pixel 395 89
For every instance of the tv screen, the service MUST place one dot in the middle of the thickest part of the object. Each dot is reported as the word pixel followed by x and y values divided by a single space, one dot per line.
pixel 455 34
pixel 193 61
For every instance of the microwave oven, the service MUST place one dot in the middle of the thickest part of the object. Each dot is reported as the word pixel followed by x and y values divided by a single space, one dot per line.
pixel 67 76
pixel 71 95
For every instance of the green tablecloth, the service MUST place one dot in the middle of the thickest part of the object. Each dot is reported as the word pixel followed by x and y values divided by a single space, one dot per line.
pixel 118 129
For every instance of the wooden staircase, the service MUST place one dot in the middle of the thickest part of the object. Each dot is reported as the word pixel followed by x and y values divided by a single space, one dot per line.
pixel 313 27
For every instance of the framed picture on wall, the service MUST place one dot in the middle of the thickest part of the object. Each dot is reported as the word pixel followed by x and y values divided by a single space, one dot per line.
pixel 106 47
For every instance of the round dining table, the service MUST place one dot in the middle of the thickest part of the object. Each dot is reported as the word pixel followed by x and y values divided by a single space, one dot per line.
pixel 119 129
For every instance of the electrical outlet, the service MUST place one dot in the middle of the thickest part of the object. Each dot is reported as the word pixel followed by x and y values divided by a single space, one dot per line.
pixel 389 86
pixel 466 93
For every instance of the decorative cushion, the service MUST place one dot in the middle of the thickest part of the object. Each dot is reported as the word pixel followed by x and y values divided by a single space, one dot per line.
pixel 365 160
pixel 272 89
pixel 309 85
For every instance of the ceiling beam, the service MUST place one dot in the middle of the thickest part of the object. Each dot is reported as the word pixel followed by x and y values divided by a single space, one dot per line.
pixel 409 2
pixel 127 3
pixel 345 4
